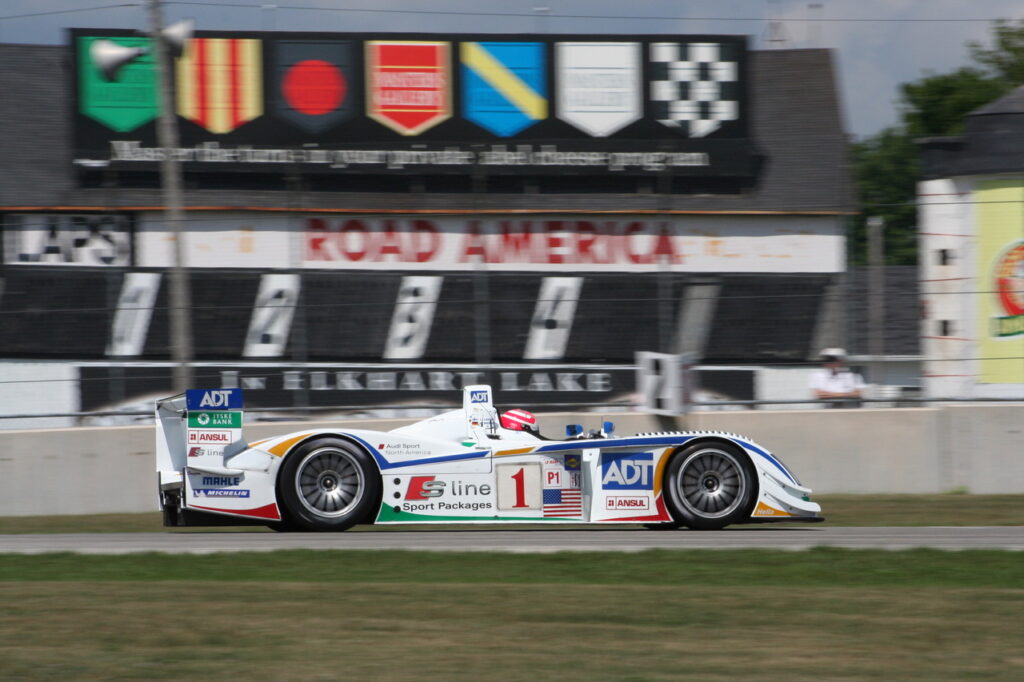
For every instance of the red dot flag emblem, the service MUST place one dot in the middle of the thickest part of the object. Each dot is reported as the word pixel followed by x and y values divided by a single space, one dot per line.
pixel 315 83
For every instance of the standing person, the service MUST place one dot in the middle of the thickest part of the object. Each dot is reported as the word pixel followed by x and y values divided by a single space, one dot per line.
pixel 835 383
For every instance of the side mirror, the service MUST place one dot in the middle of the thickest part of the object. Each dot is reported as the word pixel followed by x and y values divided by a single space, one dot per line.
pixel 608 428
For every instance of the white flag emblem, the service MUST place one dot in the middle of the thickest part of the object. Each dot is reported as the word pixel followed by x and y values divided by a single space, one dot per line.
pixel 599 85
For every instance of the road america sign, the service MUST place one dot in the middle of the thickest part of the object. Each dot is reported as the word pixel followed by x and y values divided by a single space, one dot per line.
pixel 408 84
pixel 599 85
pixel 504 88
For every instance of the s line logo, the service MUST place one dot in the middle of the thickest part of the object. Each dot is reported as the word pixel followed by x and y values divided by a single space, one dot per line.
pixel 627 471
pixel 216 399
pixel 424 488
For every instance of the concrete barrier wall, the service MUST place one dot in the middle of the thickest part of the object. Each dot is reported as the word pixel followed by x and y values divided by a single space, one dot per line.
pixel 980 449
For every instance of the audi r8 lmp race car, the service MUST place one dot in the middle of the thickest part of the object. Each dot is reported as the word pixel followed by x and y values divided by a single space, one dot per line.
pixel 465 466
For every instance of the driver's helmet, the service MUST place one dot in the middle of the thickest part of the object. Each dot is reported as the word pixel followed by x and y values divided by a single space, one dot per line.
pixel 519 420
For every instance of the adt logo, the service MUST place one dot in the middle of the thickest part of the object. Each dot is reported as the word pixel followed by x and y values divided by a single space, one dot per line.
pixel 627 471
pixel 478 396
pixel 216 399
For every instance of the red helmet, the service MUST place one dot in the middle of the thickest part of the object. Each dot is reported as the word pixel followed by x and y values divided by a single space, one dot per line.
pixel 519 420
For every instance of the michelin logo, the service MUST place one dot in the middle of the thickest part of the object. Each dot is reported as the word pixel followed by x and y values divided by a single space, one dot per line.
pixel 627 471
pixel 221 492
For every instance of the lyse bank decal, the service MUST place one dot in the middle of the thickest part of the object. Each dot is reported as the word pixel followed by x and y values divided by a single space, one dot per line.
pixel 213 399
pixel 215 420
pixel 514 242
pixel 627 471
pixel 212 437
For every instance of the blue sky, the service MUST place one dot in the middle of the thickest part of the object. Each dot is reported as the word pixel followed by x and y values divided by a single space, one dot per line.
pixel 879 43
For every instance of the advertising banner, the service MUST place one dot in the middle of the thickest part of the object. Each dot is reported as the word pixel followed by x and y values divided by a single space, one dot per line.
pixel 88 239
pixel 1000 268
pixel 427 103
pixel 712 244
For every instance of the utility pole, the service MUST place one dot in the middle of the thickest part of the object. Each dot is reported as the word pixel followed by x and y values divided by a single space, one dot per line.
pixel 180 298
pixel 876 292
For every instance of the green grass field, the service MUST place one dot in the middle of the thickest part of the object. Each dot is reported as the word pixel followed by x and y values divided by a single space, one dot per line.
pixel 823 614
pixel 660 615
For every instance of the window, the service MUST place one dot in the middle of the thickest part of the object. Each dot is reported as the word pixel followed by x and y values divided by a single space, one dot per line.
pixel 945 256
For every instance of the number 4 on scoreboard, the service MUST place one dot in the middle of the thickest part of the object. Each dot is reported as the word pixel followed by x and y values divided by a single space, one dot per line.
pixel 519 486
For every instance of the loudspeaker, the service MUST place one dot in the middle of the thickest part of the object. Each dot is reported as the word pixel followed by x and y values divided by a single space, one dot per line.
pixel 109 57
pixel 178 34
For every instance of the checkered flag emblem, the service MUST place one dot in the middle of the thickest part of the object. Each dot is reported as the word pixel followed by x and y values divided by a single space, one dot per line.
pixel 694 86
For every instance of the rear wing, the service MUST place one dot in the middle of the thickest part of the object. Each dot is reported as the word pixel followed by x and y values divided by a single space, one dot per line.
pixel 193 424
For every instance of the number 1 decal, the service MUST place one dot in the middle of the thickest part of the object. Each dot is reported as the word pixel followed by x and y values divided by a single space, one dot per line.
pixel 519 486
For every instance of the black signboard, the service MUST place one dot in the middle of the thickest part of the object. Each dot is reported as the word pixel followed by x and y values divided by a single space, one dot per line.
pixel 414 103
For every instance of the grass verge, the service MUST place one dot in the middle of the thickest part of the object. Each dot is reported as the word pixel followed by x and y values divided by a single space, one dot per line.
pixel 659 615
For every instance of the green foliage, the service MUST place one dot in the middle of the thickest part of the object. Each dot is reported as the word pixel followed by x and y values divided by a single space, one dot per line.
pixel 938 104
pixel 886 169
pixel 1006 58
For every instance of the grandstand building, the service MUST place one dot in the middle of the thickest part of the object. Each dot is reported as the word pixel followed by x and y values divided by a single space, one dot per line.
pixel 375 219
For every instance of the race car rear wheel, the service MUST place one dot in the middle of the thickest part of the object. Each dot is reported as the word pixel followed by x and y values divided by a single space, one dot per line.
pixel 710 485
pixel 328 484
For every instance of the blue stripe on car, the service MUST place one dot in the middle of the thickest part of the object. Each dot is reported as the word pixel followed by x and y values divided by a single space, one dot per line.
pixel 385 464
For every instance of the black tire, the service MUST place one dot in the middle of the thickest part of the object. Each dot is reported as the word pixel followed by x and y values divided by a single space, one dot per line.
pixel 328 484
pixel 710 485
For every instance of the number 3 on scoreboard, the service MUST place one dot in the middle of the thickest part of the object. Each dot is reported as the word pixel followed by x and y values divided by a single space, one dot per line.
pixel 519 486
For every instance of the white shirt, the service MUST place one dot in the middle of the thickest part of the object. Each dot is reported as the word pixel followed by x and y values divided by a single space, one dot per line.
pixel 841 381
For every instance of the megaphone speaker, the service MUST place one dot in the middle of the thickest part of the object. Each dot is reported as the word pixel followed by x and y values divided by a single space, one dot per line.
pixel 178 34
pixel 109 57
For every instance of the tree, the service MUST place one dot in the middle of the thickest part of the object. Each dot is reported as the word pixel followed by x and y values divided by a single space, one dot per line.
pixel 885 169
pixel 1006 58
pixel 939 104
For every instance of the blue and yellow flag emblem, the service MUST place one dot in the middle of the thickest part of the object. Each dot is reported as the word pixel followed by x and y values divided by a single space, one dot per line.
pixel 504 85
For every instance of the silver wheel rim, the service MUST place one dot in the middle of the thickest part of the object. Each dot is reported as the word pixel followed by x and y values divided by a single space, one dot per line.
pixel 710 483
pixel 329 482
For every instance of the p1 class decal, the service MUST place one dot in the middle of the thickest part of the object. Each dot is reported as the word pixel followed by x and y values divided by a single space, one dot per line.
pixel 552 318
pixel 317 85
pixel 271 322
pixel 413 317
pixel 598 85
pixel 695 87
pixel 408 84
pixel 220 82
pixel 134 310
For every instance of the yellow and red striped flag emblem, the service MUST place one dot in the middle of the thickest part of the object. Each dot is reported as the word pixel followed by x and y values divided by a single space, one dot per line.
pixel 220 82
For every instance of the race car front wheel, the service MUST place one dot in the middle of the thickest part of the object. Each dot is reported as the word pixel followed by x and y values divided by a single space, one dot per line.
pixel 328 484
pixel 710 485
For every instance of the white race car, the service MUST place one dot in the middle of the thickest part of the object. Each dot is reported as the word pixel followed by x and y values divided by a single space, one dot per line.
pixel 465 466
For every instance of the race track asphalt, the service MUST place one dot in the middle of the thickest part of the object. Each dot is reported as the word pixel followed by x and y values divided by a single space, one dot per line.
pixel 540 540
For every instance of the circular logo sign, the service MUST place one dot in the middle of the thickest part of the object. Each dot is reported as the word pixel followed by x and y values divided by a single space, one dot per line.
pixel 203 419
pixel 1009 276
pixel 314 87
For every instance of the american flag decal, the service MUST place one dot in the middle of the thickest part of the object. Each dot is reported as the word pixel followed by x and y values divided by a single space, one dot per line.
pixel 567 502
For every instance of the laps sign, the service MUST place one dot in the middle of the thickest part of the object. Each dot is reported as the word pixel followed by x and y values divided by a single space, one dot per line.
pixel 408 84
